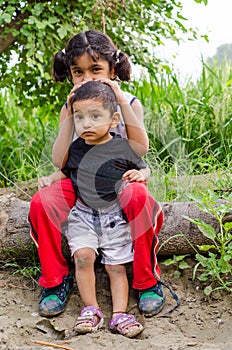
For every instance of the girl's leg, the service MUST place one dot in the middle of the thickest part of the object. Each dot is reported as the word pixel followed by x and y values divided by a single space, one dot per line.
pixel 145 218
pixel 48 210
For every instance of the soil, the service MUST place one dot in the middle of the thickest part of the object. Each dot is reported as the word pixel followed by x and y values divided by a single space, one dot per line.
pixel 199 323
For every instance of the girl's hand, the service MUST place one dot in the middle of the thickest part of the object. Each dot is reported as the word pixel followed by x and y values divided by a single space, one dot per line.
pixel 70 96
pixel 134 176
pixel 115 86
pixel 44 181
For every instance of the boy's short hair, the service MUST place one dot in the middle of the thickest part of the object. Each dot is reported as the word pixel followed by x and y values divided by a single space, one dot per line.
pixel 95 90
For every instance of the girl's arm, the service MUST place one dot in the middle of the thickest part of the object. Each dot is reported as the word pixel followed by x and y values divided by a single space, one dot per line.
pixel 64 139
pixel 133 118
pixel 134 122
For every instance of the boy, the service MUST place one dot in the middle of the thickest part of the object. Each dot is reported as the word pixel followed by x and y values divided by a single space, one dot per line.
pixel 99 163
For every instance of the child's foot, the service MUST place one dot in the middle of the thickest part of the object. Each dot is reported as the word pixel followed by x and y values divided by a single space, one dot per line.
pixel 126 324
pixel 151 301
pixel 54 300
pixel 89 321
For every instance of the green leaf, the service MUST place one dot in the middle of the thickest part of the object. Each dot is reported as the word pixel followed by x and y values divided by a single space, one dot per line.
pixel 62 32
pixel 6 17
pixel 207 230
pixel 32 19
pixel 183 265
pixel 227 226
pixel 168 262
pixel 208 290
pixel 177 274
pixel 38 9
pixel 202 259
pixel 181 257
pixel 206 247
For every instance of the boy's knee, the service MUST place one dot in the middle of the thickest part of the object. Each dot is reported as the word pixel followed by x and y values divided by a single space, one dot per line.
pixel 115 269
pixel 84 258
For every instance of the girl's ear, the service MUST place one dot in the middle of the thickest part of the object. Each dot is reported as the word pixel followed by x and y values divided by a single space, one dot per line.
pixel 113 76
pixel 115 119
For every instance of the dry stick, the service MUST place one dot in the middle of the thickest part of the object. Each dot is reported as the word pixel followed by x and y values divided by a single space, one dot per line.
pixel 53 345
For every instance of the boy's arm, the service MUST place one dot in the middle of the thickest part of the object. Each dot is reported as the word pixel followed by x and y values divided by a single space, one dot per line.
pixel 134 175
pixel 49 180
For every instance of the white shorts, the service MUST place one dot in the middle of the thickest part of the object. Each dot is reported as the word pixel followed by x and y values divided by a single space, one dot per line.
pixel 105 229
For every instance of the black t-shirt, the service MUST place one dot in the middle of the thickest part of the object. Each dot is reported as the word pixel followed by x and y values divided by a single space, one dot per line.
pixel 96 170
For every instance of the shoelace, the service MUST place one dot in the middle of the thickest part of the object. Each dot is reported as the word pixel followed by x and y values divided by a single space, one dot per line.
pixel 174 295
pixel 60 290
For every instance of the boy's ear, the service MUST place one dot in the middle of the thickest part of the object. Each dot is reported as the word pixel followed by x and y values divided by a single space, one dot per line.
pixel 115 119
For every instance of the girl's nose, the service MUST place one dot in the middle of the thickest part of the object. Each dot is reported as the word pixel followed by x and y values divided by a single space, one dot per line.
pixel 87 77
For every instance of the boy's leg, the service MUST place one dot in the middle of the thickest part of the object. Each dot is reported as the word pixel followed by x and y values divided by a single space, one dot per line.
pixel 119 287
pixel 84 259
pixel 48 210
pixel 146 218
pixel 121 322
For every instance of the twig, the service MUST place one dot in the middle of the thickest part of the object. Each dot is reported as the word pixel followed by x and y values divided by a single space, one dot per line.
pixel 53 345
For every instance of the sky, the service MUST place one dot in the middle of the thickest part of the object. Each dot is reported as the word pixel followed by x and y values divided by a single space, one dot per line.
pixel 214 20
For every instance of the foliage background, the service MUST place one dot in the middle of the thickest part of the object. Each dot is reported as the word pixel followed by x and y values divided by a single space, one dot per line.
pixel 189 125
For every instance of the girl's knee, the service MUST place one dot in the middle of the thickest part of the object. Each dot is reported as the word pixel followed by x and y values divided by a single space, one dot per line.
pixel 134 193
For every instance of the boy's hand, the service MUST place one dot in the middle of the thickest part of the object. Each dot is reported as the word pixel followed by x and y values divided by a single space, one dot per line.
pixel 44 182
pixel 134 176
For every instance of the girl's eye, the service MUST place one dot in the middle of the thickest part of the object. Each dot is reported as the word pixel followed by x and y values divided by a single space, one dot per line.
pixel 77 72
pixel 96 70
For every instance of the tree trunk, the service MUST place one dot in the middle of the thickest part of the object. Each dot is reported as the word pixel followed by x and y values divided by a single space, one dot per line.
pixel 176 233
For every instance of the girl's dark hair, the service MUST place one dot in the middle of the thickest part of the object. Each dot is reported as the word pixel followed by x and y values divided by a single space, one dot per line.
pixel 97 45
pixel 95 90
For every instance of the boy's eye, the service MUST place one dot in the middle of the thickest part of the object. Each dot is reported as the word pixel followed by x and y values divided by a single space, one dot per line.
pixel 78 117
pixel 95 116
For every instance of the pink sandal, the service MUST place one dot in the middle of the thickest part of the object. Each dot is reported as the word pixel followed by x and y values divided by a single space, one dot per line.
pixel 89 321
pixel 126 324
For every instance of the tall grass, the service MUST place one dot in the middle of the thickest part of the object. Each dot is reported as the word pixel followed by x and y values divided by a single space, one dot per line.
pixel 189 127
pixel 24 139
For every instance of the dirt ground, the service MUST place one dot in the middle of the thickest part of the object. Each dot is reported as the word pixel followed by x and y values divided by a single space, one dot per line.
pixel 200 323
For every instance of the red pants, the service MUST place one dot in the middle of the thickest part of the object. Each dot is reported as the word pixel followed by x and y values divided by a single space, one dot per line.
pixel 49 210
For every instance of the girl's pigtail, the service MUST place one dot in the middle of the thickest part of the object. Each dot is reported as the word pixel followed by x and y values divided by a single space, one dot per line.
pixel 60 70
pixel 121 65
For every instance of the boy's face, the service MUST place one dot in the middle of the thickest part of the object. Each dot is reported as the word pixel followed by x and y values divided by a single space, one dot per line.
pixel 93 122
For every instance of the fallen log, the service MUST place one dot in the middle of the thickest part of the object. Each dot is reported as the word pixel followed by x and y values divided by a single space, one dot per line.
pixel 176 233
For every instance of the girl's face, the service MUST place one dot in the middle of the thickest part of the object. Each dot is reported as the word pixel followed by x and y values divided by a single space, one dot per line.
pixel 85 69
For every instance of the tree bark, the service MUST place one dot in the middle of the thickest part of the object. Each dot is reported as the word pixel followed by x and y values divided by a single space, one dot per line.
pixel 176 233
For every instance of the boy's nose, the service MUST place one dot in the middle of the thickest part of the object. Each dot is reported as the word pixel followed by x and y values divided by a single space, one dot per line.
pixel 86 123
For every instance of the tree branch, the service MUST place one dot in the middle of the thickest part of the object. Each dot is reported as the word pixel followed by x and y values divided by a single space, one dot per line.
pixel 8 39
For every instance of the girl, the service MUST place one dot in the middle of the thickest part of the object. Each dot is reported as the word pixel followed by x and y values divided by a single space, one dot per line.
pixel 91 55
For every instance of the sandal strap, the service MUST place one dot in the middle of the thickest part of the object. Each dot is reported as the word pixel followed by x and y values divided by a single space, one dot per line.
pixel 122 321
pixel 90 311
pixel 88 314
